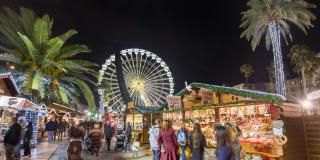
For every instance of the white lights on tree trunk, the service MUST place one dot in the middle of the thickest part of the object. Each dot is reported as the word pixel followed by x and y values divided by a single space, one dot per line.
pixel 275 34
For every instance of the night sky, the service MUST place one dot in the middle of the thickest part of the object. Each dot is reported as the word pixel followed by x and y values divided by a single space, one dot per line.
pixel 199 40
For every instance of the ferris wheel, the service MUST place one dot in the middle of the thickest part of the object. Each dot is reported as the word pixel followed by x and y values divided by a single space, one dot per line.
pixel 147 78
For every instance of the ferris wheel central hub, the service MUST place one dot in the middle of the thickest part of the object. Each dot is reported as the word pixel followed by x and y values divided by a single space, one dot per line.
pixel 137 84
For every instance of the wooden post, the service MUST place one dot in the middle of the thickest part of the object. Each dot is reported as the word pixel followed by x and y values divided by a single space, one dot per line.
pixel 216 109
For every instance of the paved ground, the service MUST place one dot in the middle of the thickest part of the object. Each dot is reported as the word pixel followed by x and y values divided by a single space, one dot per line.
pixel 57 151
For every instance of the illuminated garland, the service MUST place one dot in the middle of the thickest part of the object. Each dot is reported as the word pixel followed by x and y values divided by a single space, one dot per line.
pixel 204 106
pixel 263 96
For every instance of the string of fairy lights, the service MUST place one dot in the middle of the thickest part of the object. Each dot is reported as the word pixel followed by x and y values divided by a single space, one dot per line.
pixel 275 34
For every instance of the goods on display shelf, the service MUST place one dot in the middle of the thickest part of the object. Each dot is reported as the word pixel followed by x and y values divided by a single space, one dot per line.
pixel 136 121
pixel 256 114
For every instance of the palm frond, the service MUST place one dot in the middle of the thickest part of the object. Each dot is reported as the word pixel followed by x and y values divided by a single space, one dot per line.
pixel 283 12
pixel 32 51
pixel 68 51
pixel 54 46
pixel 85 90
pixel 63 94
pixel 66 35
pixel 41 31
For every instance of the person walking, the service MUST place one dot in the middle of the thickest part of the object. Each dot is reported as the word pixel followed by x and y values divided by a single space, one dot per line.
pixel 95 136
pixel 168 139
pixel 50 128
pixel 153 136
pixel 60 129
pixel 182 137
pixel 108 134
pixel 127 146
pixel 12 138
pixel 27 140
pixel 76 136
pixel 197 143
pixel 66 128
pixel 55 132
pixel 233 134
pixel 224 146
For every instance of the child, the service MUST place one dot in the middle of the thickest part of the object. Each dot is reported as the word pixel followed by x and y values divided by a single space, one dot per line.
pixel 135 147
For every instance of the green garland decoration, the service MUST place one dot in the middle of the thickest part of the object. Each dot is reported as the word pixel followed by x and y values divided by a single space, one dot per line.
pixel 204 106
pixel 263 96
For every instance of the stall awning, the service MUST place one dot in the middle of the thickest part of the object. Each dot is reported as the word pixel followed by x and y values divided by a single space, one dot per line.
pixel 18 103
pixel 9 81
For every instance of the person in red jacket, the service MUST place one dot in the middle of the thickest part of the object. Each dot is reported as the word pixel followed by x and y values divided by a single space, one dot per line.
pixel 168 139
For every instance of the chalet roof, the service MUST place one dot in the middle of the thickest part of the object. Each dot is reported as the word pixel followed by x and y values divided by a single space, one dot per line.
pixel 268 97
pixel 8 79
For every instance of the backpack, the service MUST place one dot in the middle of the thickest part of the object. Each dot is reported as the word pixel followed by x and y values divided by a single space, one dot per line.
pixel 182 138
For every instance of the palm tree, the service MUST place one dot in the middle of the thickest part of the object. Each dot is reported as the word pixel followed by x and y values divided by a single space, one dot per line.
pixel 43 61
pixel 271 18
pixel 246 70
pixel 303 60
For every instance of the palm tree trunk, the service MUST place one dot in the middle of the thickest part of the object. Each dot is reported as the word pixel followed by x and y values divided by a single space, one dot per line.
pixel 304 84
pixel 277 58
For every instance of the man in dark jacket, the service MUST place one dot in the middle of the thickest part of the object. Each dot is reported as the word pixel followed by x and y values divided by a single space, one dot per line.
pixel 50 128
pixel 12 138
pixel 108 134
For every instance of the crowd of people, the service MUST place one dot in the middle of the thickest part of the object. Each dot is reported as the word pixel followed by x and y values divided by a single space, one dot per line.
pixel 168 145
pixel 165 143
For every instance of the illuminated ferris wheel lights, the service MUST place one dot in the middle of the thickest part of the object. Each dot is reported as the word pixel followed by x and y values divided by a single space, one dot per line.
pixel 108 62
pixel 158 60
pixel 148 54
pixel 148 80
pixel 113 58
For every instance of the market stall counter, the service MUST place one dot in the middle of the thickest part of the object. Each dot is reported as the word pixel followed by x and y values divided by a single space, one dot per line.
pixel 257 114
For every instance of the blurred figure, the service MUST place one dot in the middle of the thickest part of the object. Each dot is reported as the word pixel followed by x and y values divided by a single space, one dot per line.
pixel 108 134
pixel 50 128
pixel 75 142
pixel 234 139
pixel 27 140
pixel 95 136
pixel 182 137
pixel 127 146
pixel 224 146
pixel 153 136
pixel 55 132
pixel 168 139
pixel 66 127
pixel 60 129
pixel 135 148
pixel 12 138
pixel 197 143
